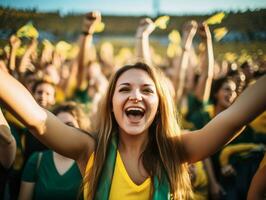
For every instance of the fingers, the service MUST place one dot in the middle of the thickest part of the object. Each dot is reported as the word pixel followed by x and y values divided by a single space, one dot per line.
pixel 228 170
pixel 146 26
pixel 90 21
pixel 94 15
pixel 14 41
pixel 203 30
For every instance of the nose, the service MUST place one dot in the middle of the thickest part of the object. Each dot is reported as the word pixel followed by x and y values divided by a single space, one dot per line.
pixel 135 96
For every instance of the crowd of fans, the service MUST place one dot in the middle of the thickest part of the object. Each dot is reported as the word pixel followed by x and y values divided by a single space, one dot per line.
pixel 73 88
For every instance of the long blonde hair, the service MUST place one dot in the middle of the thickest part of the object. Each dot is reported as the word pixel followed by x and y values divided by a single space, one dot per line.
pixel 164 138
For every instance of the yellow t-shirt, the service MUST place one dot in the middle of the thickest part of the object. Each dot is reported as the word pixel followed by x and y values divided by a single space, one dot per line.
pixel 122 186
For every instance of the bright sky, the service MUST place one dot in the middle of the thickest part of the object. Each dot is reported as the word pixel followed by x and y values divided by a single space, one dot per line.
pixel 137 7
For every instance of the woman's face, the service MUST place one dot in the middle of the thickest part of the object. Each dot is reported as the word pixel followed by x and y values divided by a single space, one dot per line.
pixel 226 94
pixel 135 102
pixel 68 119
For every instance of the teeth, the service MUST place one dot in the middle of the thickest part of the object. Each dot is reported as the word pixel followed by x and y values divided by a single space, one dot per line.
pixel 134 109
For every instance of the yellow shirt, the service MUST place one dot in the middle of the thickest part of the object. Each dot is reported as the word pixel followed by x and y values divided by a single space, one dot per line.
pixel 122 186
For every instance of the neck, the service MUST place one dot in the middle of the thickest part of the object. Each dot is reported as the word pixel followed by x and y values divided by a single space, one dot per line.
pixel 60 157
pixel 132 144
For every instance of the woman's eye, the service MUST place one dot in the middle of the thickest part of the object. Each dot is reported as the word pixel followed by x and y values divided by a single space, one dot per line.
pixel 148 90
pixel 125 89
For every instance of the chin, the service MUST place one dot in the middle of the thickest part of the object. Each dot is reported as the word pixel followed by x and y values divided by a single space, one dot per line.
pixel 133 131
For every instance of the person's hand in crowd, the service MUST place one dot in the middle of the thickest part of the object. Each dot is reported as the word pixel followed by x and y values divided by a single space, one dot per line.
pixel 204 31
pixel 14 42
pixel 28 57
pixel 189 30
pixel 145 28
pixel 216 191
pixel 90 21
pixel 228 170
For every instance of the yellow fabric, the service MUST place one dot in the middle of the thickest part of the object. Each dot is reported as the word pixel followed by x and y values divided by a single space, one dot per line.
pixel 12 119
pixel 200 185
pixel 122 186
pixel 259 124
pixel 210 109
pixel 59 95
pixel 232 149
pixel 88 167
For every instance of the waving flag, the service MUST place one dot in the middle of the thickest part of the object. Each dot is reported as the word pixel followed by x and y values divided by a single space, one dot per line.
pixel 28 31
pixel 215 19
pixel 219 33
pixel 99 27
pixel 162 22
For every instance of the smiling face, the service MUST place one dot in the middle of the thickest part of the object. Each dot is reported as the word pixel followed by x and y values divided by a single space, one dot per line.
pixel 226 94
pixel 135 102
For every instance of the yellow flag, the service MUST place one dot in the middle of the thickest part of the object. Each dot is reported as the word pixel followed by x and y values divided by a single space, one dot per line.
pixel 47 44
pixel 174 37
pixel 62 46
pixel 173 50
pixel 73 52
pixel 28 31
pixel 162 22
pixel 99 27
pixel 215 19
pixel 219 33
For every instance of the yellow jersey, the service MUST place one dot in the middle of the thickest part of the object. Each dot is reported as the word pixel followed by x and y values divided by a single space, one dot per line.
pixel 122 186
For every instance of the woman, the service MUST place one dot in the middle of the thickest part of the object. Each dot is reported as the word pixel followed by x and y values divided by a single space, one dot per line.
pixel 137 123
pixel 223 94
pixel 49 175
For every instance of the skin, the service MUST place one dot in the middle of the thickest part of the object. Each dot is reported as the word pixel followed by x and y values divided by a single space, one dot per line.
pixel 45 95
pixel 226 95
pixel 257 189
pixel 135 93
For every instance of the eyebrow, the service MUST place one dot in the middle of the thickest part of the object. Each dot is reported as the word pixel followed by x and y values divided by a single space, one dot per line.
pixel 127 84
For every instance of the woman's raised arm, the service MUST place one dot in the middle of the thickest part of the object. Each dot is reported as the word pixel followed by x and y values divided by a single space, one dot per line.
pixel 44 125
pixel 220 130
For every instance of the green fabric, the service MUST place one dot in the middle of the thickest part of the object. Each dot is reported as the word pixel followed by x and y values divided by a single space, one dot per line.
pixel 194 105
pixel 161 188
pixel 49 184
pixel 82 96
pixel 200 119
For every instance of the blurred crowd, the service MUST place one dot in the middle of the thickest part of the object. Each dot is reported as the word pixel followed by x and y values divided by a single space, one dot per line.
pixel 70 83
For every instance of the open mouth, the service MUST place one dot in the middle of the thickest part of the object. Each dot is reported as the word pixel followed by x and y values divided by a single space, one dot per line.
pixel 134 113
